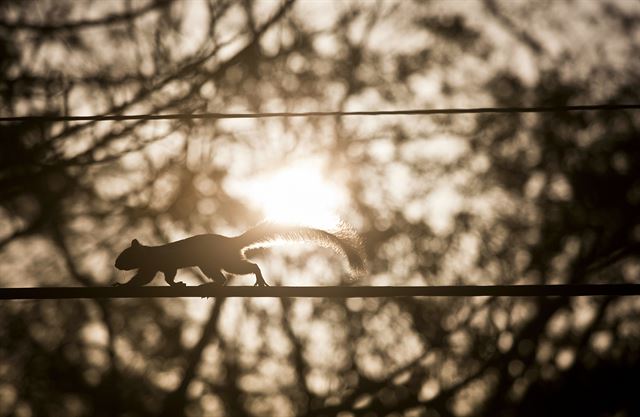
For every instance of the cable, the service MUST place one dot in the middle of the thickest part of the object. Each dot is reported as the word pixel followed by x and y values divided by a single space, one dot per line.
pixel 41 293
pixel 406 112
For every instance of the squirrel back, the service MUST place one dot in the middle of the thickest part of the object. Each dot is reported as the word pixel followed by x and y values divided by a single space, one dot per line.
pixel 343 239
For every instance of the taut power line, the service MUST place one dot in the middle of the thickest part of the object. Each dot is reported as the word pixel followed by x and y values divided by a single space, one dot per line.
pixel 405 112
pixel 560 290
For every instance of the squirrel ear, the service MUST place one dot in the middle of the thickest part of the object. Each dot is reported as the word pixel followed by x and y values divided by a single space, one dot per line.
pixel 135 242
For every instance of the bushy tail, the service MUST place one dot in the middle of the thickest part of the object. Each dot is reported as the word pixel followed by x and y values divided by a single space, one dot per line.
pixel 343 239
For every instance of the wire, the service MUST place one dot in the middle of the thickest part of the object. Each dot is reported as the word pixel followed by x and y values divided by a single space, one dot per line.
pixel 406 112
pixel 563 290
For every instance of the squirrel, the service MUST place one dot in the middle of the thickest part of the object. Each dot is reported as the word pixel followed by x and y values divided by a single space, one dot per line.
pixel 214 253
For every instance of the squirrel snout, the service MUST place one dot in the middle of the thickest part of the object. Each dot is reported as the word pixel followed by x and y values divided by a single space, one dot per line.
pixel 123 265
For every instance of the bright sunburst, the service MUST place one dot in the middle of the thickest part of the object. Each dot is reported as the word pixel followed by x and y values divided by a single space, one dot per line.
pixel 296 194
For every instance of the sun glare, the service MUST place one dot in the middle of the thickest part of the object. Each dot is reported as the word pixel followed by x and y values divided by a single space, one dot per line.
pixel 297 194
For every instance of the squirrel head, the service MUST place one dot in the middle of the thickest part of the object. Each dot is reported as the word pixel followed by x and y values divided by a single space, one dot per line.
pixel 130 258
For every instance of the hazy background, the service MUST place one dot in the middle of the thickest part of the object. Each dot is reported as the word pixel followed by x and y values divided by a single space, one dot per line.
pixel 491 199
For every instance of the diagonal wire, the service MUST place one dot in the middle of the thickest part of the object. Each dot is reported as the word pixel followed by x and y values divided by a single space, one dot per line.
pixel 405 112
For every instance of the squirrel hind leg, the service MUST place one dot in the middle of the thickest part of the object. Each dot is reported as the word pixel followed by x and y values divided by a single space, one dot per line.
pixel 245 267
pixel 260 282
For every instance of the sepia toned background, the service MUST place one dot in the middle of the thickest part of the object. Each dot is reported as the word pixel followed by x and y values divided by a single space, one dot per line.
pixel 439 200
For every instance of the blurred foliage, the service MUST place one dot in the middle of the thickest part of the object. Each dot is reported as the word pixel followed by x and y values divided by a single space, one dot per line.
pixel 547 198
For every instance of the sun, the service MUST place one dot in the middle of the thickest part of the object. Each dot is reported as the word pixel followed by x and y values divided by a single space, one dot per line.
pixel 296 194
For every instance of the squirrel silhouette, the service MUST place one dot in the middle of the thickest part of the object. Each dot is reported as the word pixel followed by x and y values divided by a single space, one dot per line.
pixel 214 253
